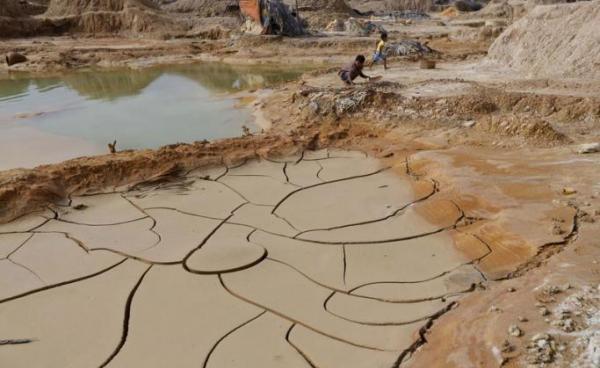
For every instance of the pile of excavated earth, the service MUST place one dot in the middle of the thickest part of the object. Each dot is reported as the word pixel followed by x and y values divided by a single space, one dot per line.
pixel 553 41
pixel 338 6
pixel 107 16
pixel 207 8
pixel 445 215
pixel 85 17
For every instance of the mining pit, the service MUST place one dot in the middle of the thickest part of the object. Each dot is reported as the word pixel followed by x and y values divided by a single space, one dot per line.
pixel 256 212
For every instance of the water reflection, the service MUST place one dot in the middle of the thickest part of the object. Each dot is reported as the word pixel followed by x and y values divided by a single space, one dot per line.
pixel 110 85
pixel 228 78
pixel 13 89
pixel 139 108
pixel 113 84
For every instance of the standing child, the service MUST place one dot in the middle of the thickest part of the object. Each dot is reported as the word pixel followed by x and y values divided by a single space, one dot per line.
pixel 379 54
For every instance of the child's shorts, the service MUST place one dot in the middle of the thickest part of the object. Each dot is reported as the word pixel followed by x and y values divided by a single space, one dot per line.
pixel 345 76
pixel 378 57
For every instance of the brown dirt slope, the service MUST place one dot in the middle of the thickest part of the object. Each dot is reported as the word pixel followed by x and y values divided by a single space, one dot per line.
pixel 338 6
pixel 319 13
pixel 11 8
pixel 205 8
pixel 63 8
pixel 19 9
pixel 16 19
pixel 110 16
pixel 553 41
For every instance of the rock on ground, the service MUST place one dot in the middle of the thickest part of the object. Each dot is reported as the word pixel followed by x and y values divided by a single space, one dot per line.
pixel 589 148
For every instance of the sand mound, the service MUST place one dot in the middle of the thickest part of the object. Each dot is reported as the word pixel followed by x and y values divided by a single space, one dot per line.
pixel 553 41
pixel 338 6
pixel 110 16
pixel 63 8
pixel 320 13
pixel 204 8
pixel 535 131
pixel 450 12
pixel 355 26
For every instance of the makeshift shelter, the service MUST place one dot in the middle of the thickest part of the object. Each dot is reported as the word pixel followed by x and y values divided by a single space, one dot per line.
pixel 270 17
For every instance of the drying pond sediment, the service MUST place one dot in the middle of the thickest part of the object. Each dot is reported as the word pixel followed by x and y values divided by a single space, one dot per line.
pixel 323 259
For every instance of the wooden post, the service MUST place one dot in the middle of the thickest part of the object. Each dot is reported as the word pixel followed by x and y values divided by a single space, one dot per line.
pixel 297 11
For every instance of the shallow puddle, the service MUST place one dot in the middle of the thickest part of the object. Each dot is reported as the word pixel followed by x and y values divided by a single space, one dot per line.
pixel 47 120
pixel 246 266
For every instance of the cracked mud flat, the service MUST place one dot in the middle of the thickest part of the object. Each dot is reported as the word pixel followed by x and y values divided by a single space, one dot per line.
pixel 324 259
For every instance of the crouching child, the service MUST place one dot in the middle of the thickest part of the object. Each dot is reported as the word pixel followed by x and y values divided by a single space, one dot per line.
pixel 353 70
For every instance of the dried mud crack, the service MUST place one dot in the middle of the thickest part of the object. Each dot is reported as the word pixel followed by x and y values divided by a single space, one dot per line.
pixel 547 250
pixel 126 318
pixel 252 249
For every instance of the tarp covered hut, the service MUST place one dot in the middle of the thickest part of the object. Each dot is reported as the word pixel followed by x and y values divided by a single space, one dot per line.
pixel 271 17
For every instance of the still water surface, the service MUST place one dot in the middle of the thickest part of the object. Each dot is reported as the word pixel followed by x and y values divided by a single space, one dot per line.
pixel 46 120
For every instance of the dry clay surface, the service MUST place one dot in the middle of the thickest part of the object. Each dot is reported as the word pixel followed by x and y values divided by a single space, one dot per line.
pixel 320 260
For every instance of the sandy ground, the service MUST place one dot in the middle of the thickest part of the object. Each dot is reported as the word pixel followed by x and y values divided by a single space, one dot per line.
pixel 514 199
pixel 555 291
pixel 54 54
